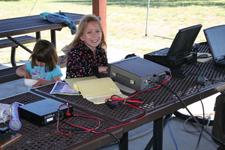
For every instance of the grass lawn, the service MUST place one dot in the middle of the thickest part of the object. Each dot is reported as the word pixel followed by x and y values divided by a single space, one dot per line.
pixel 126 21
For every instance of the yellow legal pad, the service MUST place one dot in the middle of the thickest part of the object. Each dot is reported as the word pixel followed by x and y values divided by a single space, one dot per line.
pixel 73 81
pixel 98 89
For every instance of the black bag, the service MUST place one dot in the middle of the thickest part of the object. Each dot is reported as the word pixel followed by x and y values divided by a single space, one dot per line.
pixel 218 129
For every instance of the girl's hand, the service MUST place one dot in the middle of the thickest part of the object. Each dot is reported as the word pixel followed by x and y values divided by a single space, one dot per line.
pixel 27 75
pixel 21 71
pixel 103 69
pixel 40 82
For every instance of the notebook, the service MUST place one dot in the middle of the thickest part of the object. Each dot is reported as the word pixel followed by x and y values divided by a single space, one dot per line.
pixel 180 51
pixel 96 90
pixel 215 37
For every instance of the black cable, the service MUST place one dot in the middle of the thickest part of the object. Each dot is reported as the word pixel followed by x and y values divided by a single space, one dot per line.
pixel 201 80
pixel 191 123
pixel 203 116
pixel 183 103
pixel 185 106
pixel 201 120
pixel 202 128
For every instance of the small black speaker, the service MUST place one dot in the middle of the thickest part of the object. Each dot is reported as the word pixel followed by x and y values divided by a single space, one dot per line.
pixel 218 129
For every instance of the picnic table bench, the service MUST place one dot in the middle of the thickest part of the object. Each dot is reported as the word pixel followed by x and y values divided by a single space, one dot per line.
pixel 25 39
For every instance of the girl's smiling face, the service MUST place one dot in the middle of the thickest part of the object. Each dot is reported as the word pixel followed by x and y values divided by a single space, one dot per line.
pixel 92 35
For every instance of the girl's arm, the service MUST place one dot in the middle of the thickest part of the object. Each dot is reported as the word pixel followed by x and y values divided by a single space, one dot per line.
pixel 57 77
pixel 104 64
pixel 21 71
pixel 41 82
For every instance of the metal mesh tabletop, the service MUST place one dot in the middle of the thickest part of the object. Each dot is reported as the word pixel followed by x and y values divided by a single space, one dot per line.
pixel 121 113
pixel 47 137
pixel 186 89
pixel 8 74
pixel 157 103
pixel 164 100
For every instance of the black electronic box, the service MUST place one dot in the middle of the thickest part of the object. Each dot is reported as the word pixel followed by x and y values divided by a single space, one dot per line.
pixel 44 111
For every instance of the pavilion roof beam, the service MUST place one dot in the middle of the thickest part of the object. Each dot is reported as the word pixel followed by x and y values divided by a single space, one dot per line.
pixel 99 9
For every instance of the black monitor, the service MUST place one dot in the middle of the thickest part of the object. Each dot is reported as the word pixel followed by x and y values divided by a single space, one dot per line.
pixel 182 45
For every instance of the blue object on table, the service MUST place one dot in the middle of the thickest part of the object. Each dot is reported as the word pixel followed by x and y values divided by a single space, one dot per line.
pixel 59 18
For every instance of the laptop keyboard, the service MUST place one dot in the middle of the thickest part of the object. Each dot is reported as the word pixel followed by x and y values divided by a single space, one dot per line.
pixel 162 52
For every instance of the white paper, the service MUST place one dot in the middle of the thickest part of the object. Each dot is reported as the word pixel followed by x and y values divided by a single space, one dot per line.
pixel 29 82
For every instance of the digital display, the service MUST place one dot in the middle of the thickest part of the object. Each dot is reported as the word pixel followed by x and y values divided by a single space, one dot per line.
pixel 49 119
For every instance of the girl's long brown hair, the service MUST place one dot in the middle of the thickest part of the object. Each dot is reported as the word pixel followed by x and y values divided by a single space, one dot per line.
pixel 82 25
pixel 44 51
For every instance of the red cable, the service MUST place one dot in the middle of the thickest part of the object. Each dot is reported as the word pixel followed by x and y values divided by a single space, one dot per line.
pixel 130 101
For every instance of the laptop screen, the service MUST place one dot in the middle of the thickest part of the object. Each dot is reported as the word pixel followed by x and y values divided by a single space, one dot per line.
pixel 183 42
pixel 216 39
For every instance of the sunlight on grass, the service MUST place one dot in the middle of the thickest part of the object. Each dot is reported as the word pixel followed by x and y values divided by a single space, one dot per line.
pixel 125 23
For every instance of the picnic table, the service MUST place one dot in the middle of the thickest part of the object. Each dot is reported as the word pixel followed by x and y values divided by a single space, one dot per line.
pixel 11 28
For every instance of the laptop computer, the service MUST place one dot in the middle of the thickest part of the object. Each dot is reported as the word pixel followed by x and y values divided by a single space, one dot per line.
pixel 215 37
pixel 180 52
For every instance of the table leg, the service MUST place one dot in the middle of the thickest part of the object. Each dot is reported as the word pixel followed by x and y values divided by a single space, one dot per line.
pixel 158 134
pixel 53 37
pixel 13 52
pixel 123 145
pixel 38 35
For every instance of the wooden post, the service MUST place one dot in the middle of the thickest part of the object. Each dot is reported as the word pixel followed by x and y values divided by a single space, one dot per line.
pixel 99 9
